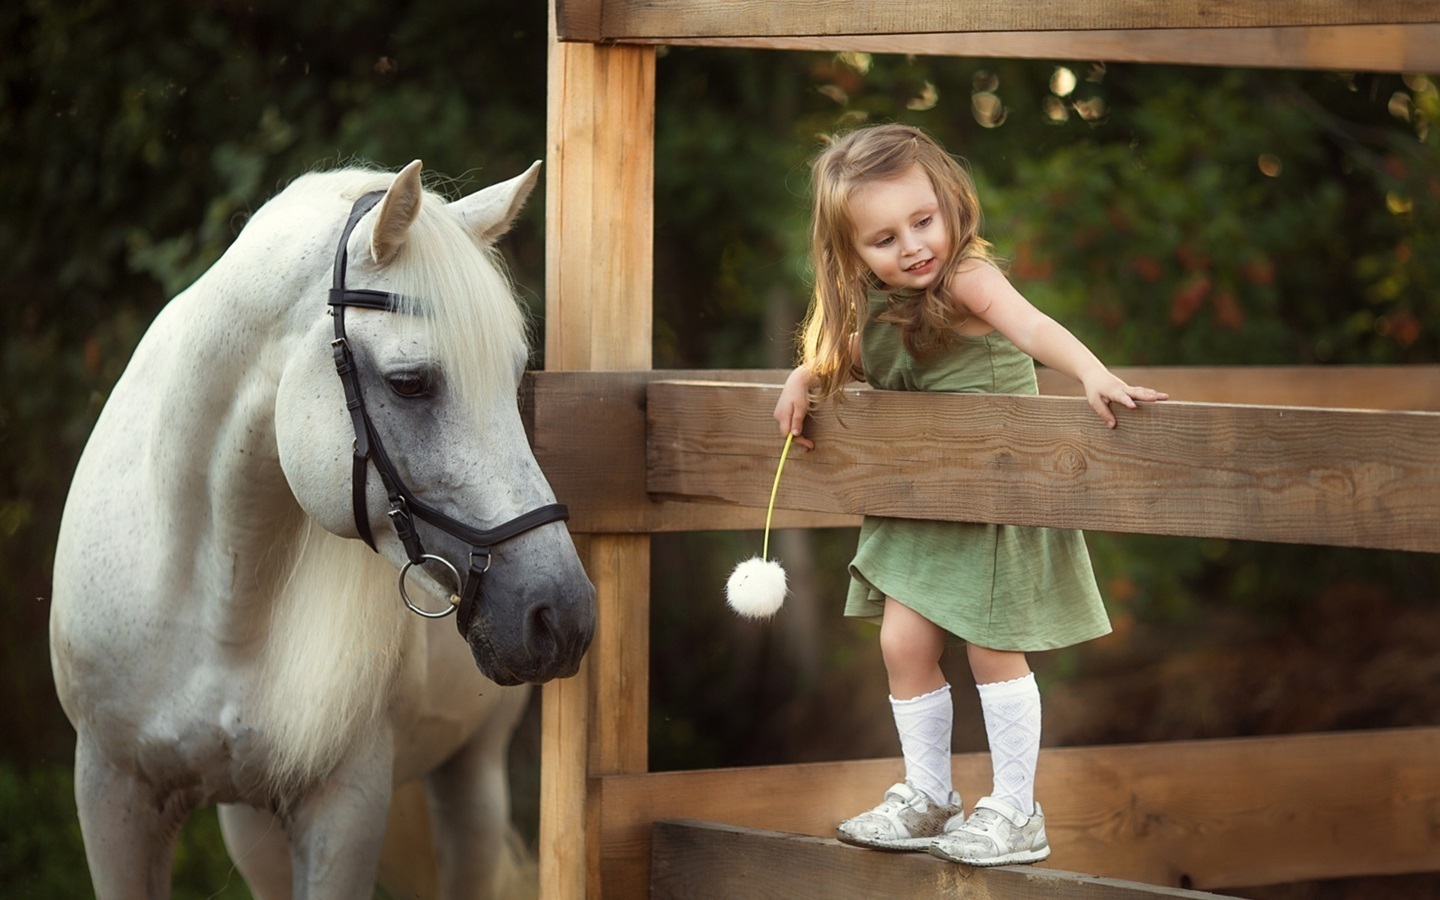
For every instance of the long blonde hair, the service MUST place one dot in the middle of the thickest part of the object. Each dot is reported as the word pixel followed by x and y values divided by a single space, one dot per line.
pixel 839 305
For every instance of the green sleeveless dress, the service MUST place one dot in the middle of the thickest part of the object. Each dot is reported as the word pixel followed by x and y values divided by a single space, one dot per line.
pixel 1005 587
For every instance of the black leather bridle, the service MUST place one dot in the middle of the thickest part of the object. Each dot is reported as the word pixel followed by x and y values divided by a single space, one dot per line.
pixel 404 505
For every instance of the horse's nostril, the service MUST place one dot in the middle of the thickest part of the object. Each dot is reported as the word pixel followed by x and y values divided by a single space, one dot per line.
pixel 541 633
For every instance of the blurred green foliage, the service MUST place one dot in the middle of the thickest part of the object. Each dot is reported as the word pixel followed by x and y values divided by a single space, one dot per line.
pixel 1167 215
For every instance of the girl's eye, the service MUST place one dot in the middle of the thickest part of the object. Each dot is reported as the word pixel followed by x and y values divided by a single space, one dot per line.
pixel 409 384
pixel 885 242
pixel 923 222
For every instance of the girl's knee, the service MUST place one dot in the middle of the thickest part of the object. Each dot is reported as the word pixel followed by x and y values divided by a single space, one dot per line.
pixel 989 666
pixel 911 646
pixel 902 654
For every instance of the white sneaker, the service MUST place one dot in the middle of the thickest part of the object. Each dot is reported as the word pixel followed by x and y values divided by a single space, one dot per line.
pixel 905 820
pixel 996 834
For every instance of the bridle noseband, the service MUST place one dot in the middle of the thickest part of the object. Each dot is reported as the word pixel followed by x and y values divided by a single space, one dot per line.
pixel 404 505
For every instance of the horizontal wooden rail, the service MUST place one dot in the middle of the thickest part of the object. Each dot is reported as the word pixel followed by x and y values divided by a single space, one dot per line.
pixel 1348 48
pixel 1397 388
pixel 1208 814
pixel 693 860
pixel 588 430
pixel 627 20
pixel 1358 478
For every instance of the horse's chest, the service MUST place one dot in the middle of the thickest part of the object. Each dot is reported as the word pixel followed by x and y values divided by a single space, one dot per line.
pixel 178 721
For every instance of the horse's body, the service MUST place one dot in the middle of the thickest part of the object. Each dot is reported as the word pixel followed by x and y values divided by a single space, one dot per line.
pixel 218 633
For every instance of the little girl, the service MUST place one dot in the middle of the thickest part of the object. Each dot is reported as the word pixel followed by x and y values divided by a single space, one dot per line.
pixel 907 298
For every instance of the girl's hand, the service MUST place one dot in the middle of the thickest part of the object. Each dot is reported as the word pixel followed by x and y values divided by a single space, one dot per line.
pixel 794 406
pixel 1102 389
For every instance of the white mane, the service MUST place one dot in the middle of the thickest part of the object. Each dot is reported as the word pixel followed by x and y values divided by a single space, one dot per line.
pixel 465 302
pixel 336 642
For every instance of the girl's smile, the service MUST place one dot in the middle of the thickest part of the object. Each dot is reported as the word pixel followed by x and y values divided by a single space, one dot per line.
pixel 899 233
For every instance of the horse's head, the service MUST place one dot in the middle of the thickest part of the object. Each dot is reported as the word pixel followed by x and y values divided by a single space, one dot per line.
pixel 430 345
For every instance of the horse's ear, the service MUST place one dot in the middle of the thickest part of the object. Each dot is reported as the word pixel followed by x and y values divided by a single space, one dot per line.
pixel 489 213
pixel 397 212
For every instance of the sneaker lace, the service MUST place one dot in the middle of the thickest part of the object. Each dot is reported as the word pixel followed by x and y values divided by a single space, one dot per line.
pixel 895 802
pixel 982 822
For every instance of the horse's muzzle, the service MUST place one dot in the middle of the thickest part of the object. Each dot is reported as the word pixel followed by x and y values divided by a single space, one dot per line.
pixel 541 637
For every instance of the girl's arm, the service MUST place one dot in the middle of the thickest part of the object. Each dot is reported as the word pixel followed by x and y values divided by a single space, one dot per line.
pixel 794 404
pixel 982 291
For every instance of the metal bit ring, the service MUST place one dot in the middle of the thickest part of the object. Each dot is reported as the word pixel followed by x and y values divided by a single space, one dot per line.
pixel 454 598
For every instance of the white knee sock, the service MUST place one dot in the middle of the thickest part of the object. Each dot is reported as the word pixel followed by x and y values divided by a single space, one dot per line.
pixel 924 724
pixel 1012 723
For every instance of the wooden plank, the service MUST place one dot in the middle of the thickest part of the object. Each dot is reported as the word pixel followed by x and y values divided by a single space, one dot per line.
pixel 625 20
pixel 588 430
pixel 619 564
pixel 1347 48
pixel 599 208
pixel 1414 388
pixel 694 860
pixel 567 811
pixel 1356 478
pixel 580 19
pixel 1208 814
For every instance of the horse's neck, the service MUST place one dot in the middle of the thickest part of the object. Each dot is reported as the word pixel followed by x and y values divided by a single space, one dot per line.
pixel 257 523
pixel 219 475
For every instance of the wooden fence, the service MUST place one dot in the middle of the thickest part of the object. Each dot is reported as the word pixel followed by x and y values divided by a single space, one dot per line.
pixel 1324 456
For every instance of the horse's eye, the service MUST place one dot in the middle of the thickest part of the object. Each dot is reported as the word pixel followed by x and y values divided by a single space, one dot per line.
pixel 409 384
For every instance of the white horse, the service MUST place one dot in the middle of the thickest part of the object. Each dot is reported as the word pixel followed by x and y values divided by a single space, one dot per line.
pixel 218 632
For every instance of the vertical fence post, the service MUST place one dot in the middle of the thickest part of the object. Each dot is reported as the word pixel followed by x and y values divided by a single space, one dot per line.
pixel 599 214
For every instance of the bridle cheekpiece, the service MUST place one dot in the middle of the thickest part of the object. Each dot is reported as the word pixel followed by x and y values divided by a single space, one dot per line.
pixel 405 507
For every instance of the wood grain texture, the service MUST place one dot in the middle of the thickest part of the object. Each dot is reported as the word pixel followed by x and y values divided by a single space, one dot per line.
pixel 1359 478
pixel 599 209
pixel 1213 814
pixel 579 20
pixel 692 860
pixel 566 808
pixel 619 564
pixel 1346 48
pixel 588 430
pixel 1398 388
pixel 622 20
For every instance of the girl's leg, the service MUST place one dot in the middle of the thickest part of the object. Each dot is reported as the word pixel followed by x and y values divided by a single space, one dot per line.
pixel 911 646
pixel 1007 827
pixel 919 698
pixel 913 814
pixel 1010 702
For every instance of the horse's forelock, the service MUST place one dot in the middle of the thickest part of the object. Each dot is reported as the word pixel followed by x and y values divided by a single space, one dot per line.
pixel 465 302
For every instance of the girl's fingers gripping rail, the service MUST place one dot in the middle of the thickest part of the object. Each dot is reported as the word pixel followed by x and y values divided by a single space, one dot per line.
pixel 1126 395
pixel 794 406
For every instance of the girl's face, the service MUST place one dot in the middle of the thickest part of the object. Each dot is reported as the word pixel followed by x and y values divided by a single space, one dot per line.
pixel 899 232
